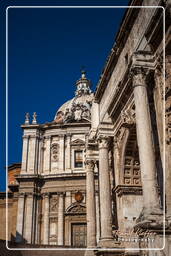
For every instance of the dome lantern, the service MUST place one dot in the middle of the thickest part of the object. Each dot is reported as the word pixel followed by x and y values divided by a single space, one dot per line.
pixel 83 85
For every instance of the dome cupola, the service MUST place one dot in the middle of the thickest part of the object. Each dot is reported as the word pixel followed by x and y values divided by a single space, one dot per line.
pixel 77 109
pixel 83 85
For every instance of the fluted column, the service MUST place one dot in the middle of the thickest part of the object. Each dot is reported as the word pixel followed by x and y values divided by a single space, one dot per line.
pixel 46 219
pixel 104 187
pixel 90 204
pixel 61 220
pixel 145 142
pixel 20 218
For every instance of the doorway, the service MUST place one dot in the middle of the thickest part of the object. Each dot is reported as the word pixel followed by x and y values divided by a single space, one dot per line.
pixel 79 234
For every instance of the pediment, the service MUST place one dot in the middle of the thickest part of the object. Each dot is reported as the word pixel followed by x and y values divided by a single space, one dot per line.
pixel 78 142
pixel 76 208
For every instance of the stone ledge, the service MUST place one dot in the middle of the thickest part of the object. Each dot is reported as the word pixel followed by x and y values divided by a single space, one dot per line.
pixel 131 189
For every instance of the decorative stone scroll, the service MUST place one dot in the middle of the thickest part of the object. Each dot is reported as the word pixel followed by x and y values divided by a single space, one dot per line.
pixel 55 152
pixel 128 117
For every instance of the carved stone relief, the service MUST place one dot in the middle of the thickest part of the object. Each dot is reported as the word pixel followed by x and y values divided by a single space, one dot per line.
pixel 54 204
pixel 55 152
pixel 128 116
pixel 77 112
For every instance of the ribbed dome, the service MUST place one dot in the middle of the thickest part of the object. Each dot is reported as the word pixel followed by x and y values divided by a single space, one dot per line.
pixel 78 108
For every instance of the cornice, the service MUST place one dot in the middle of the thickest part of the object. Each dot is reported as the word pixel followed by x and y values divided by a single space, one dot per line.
pixel 120 40
pixel 127 190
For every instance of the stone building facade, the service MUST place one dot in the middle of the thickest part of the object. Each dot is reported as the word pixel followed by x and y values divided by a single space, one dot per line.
pixel 99 175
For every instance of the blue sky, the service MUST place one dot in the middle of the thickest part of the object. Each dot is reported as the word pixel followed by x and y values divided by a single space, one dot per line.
pixel 47 48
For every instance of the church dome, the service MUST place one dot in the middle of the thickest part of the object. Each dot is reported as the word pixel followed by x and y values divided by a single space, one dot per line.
pixel 78 108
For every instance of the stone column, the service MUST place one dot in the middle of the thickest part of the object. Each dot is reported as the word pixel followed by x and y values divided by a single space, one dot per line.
pixel 97 218
pixel 46 219
pixel 90 204
pixel 28 232
pixel 20 218
pixel 104 188
pixel 145 142
pixel 61 220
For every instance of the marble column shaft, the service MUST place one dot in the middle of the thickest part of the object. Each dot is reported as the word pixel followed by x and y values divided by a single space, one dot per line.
pixel 145 142
pixel 61 220
pixel 46 219
pixel 20 218
pixel 105 193
pixel 90 204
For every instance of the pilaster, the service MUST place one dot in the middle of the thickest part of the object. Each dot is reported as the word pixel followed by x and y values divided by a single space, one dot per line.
pixel 61 219
pixel 46 218
pixel 32 156
pixel 25 153
pixel 20 218
pixel 28 232
pixel 47 155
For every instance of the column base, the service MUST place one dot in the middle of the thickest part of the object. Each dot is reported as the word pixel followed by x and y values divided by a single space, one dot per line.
pixel 108 243
pixel 89 252
pixel 150 219
pixel 104 252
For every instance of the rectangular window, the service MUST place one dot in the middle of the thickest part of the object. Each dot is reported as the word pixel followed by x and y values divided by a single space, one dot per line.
pixel 78 159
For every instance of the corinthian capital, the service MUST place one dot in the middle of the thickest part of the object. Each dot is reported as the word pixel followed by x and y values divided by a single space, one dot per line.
pixel 139 76
pixel 103 141
pixel 89 164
